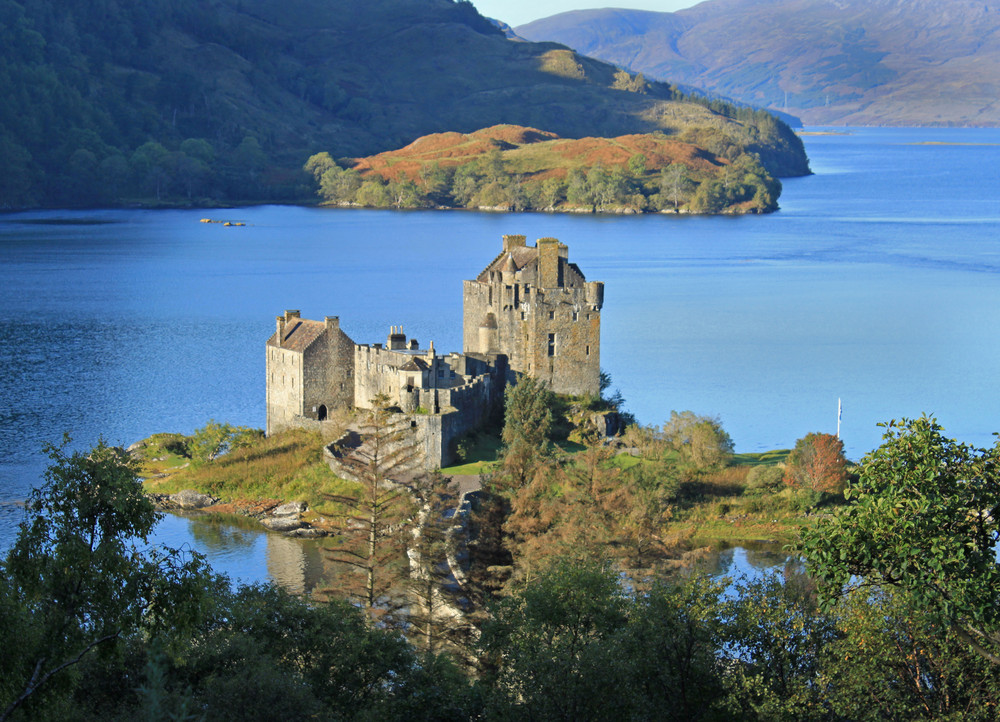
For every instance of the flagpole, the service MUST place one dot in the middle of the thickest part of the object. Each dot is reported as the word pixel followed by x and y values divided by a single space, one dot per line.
pixel 840 412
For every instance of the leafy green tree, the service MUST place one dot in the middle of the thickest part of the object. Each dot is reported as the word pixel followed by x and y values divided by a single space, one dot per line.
pixel 710 197
pixel 189 173
pixel 578 192
pixel 700 441
pixel 493 167
pixel 817 463
pixel 671 648
pixel 436 180
pixel 528 424
pixel 632 84
pixel 148 167
pixel 550 644
pixel 892 661
pixel 405 194
pixel 465 183
pixel 209 441
pixel 74 582
pixel 776 637
pixel 114 174
pixel 674 186
pixel 374 193
pixel 637 166
pixel 200 149
pixel 261 649
pixel 552 191
pixel 924 518
pixel 318 164
pixel 340 186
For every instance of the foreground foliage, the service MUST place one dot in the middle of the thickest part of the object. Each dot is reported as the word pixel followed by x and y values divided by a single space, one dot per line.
pixel 923 518
pixel 107 632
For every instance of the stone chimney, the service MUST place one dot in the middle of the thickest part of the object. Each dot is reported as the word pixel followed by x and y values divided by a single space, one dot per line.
pixel 510 242
pixel 548 263
pixel 397 339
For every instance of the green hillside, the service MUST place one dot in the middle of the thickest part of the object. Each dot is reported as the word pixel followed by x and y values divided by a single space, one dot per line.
pixel 204 101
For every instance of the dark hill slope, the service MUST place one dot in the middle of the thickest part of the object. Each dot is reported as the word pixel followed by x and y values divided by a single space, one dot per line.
pixel 225 99
pixel 857 62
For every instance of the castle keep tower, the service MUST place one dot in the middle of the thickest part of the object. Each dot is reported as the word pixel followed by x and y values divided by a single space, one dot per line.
pixel 534 306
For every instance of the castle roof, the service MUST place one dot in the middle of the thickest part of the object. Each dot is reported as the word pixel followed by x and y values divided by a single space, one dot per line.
pixel 514 259
pixel 521 257
pixel 299 334
pixel 415 364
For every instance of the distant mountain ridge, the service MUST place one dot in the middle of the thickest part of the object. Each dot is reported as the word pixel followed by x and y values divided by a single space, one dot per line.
pixel 224 100
pixel 837 62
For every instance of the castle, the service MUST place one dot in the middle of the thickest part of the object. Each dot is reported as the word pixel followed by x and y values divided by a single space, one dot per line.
pixel 530 311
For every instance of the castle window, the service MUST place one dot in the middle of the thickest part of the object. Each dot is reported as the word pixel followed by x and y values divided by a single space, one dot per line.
pixel 576 316
pixel 522 315
pixel 552 344
pixel 552 315
pixel 588 350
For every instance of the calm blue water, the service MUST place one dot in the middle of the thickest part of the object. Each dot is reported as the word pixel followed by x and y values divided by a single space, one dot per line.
pixel 878 282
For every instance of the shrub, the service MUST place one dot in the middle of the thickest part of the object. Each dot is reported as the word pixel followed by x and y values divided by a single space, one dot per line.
pixel 817 463
pixel 763 479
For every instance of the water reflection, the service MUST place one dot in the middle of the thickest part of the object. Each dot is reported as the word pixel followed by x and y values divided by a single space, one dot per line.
pixel 246 552
pixel 751 560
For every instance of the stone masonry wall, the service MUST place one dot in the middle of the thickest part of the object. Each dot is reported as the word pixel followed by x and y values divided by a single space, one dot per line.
pixel 284 390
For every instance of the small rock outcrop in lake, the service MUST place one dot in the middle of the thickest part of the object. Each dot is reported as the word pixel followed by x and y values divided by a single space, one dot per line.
pixel 187 499
pixel 284 518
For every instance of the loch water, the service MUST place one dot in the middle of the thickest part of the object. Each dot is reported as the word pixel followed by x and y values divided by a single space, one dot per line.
pixel 878 283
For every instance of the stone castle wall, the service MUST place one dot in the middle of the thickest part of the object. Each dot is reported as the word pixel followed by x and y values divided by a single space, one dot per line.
pixel 328 372
pixel 284 392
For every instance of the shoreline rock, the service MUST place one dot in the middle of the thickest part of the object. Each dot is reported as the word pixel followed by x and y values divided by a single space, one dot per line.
pixel 274 516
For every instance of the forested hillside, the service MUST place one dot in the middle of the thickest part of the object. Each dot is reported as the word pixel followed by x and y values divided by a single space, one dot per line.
pixel 850 62
pixel 223 100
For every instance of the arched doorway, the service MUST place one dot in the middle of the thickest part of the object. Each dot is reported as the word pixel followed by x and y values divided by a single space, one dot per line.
pixel 321 412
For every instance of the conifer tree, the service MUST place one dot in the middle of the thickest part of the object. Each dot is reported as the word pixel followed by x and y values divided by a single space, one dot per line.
pixel 372 539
